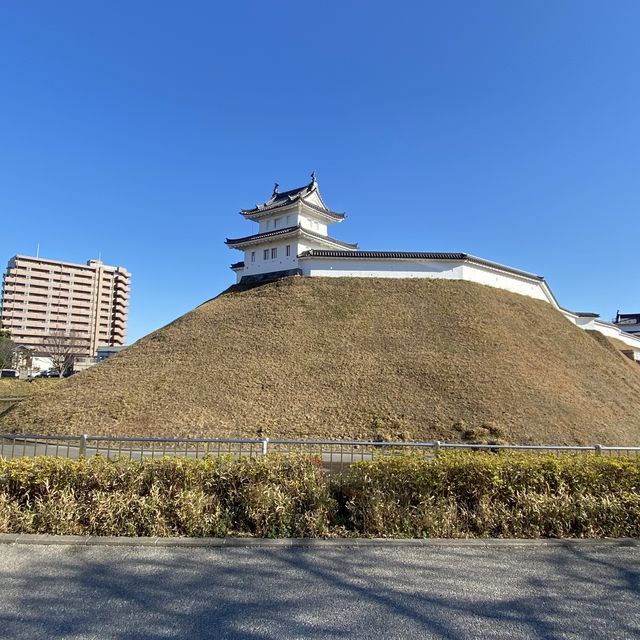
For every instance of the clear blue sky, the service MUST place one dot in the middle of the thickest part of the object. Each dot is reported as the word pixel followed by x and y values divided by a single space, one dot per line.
pixel 509 130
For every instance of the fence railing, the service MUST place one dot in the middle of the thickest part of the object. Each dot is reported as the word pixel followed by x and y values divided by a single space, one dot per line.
pixel 336 455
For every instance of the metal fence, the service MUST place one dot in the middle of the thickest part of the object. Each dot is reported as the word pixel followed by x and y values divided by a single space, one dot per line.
pixel 336 455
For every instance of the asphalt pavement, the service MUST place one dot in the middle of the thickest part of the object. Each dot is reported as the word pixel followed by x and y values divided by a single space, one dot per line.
pixel 336 590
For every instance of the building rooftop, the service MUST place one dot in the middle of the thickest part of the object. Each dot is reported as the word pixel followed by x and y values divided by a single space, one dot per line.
pixel 285 198
pixel 90 264
pixel 627 318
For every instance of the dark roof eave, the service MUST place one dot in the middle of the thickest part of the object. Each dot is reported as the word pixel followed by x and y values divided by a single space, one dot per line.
pixel 264 211
pixel 259 236
pixel 580 314
pixel 383 255
pixel 231 242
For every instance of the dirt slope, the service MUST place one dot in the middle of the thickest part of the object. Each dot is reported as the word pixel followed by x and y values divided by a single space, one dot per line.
pixel 355 358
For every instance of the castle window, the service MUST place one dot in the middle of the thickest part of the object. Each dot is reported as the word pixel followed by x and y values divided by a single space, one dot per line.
pixel 274 253
pixel 253 256
pixel 287 250
pixel 265 254
pixel 276 222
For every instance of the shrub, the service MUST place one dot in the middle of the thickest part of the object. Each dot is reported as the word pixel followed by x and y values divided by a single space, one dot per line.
pixel 484 494
pixel 455 495
pixel 268 496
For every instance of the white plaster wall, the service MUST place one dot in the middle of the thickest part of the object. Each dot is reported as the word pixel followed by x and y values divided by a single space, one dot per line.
pixel 378 269
pixel 278 221
pixel 307 222
pixel 507 281
pixel 306 244
pixel 452 270
pixel 583 323
pixel 281 263
pixel 292 216
pixel 314 198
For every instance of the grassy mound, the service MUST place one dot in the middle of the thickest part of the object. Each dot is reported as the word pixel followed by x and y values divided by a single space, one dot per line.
pixel 355 358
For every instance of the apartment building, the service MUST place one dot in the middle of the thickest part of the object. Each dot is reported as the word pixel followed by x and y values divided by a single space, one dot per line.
pixel 42 297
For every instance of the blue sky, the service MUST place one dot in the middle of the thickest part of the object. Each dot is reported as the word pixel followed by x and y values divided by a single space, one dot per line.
pixel 509 130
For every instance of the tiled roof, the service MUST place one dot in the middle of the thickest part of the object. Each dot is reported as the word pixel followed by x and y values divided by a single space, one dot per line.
pixel 279 200
pixel 628 318
pixel 383 255
pixel 260 236
pixel 319 236
pixel 286 231
pixel 238 265
pixel 581 314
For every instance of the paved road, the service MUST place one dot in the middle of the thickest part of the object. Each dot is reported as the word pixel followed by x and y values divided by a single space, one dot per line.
pixel 457 591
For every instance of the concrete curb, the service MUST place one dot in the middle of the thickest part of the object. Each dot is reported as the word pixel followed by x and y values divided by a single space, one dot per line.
pixel 310 543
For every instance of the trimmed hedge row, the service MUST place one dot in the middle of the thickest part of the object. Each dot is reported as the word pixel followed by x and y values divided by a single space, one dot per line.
pixel 266 497
pixel 455 495
pixel 489 495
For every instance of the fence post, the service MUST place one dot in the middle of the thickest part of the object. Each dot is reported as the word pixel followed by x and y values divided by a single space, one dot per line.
pixel 598 449
pixel 83 445
pixel 265 444
pixel 436 447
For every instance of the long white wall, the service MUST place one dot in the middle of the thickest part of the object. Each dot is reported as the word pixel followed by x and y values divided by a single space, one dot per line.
pixel 350 268
pixel 448 270
pixel 492 277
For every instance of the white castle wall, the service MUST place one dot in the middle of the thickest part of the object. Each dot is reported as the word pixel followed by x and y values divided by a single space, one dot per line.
pixel 446 269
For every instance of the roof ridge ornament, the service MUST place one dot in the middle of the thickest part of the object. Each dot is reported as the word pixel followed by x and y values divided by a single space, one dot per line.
pixel 276 186
pixel 314 179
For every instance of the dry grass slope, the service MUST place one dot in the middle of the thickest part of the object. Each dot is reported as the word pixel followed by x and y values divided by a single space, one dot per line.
pixel 355 358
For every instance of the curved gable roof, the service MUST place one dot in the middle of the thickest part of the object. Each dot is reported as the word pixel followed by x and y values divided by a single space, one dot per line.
pixel 286 198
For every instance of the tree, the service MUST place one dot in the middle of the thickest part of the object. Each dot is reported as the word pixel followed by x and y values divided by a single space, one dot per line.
pixel 7 350
pixel 62 347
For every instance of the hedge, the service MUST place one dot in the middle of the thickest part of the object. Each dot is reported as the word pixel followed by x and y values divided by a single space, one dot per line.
pixel 269 497
pixel 491 495
pixel 455 495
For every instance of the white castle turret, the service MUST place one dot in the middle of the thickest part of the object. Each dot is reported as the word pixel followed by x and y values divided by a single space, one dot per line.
pixel 291 223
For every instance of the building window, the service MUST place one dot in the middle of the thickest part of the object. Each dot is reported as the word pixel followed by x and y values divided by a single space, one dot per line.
pixel 276 223
pixel 265 254
pixel 253 256
pixel 274 253
pixel 287 250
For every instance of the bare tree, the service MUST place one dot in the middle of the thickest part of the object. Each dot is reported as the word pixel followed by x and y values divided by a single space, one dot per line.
pixel 62 347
